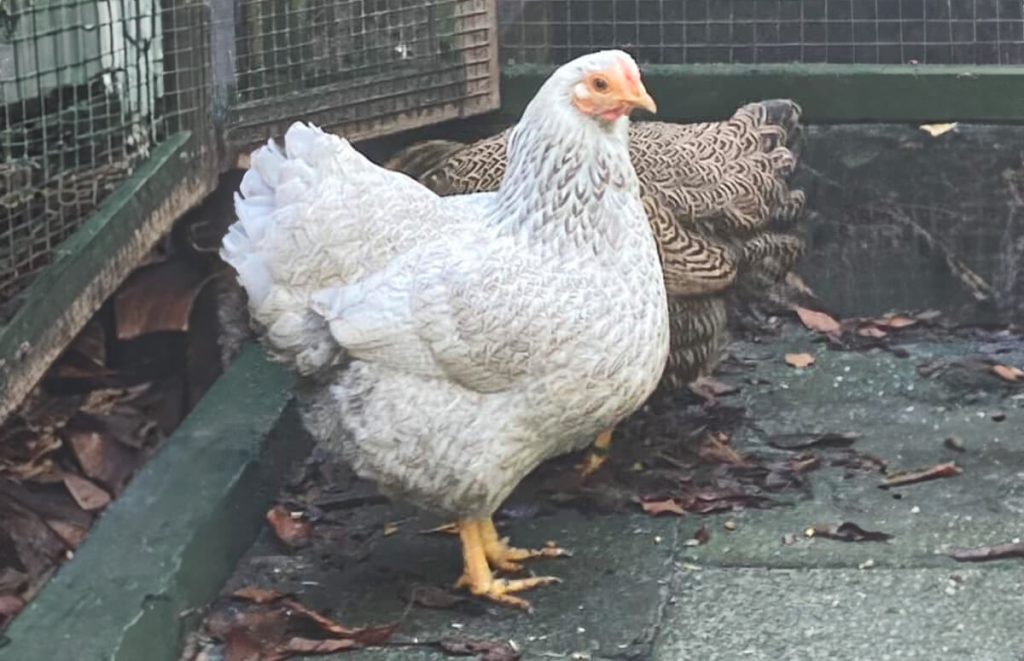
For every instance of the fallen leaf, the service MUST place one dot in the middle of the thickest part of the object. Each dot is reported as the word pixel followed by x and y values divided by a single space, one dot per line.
pixel 258 595
pixel 390 529
pixel 102 458
pixel 799 360
pixel 297 645
pixel 895 322
pixel 1008 373
pixel 443 529
pixel 1013 549
pixel 72 534
pixel 872 331
pixel 903 478
pixel 715 447
pixel 701 537
pixel 293 531
pixel 88 496
pixel 713 387
pixel 10 605
pixel 484 650
pixel 805 441
pixel 848 532
pixel 656 507
pixel 817 321
pixel 804 464
pixel 157 297
pixel 935 130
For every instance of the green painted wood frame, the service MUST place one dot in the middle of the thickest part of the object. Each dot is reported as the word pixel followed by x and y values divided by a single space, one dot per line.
pixel 828 93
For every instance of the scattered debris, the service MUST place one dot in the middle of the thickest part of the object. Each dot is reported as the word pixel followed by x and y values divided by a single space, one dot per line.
pixel 88 496
pixel 656 507
pixel 292 528
pixel 808 440
pixel 954 443
pixel 799 360
pixel 432 596
pixel 716 447
pixel 264 625
pixel 935 130
pixel 847 532
pixel 484 650
pixel 1013 549
pixel 729 525
pixel 904 478
pixel 443 529
pixel 1008 373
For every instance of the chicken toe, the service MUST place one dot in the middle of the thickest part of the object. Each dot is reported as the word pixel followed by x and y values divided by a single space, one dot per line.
pixel 502 557
pixel 477 576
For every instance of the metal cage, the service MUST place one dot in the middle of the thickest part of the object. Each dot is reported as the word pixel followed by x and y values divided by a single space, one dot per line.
pixel 361 68
pixel 767 31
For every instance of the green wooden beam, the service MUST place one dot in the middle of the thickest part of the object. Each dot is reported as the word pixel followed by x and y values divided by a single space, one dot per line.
pixel 90 265
pixel 829 93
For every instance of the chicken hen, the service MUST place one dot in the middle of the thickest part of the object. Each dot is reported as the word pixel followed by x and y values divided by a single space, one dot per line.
pixel 719 203
pixel 448 345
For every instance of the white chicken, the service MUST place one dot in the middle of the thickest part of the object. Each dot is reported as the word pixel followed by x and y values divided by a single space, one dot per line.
pixel 448 345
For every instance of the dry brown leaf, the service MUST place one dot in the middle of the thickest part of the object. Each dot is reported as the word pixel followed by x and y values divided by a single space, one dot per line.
pixel 102 458
pixel 88 496
pixel 10 605
pixel 872 332
pixel 72 534
pixel 432 596
pixel 804 441
pixel 848 532
pixel 1008 373
pixel 483 650
pixel 258 595
pixel 295 531
pixel 710 387
pixel 903 478
pixel 715 447
pixel 935 130
pixel 656 507
pixel 895 322
pixel 799 360
pixel 1013 549
pixel 296 646
pixel 817 321
pixel 157 297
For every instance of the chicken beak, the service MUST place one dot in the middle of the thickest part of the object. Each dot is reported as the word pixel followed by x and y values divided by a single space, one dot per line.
pixel 641 99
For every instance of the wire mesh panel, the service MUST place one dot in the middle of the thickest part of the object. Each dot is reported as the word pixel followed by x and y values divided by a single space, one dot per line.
pixel 361 67
pixel 87 89
pixel 766 31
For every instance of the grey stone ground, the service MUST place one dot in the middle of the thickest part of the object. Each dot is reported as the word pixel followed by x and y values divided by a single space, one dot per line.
pixel 635 589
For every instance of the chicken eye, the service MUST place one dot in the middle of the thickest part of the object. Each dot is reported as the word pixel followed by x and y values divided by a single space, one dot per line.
pixel 601 85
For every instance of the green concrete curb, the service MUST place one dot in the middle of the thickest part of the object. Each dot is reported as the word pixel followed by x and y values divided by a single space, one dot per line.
pixel 172 539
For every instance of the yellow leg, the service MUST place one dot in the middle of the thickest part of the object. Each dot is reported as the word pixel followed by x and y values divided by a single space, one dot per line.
pixel 502 557
pixel 477 574
pixel 597 456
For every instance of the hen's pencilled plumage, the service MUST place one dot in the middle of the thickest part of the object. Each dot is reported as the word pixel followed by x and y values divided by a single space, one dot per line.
pixel 719 204
pixel 448 345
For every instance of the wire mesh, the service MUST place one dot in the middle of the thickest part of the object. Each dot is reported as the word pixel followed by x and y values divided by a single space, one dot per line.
pixel 766 31
pixel 87 89
pixel 364 66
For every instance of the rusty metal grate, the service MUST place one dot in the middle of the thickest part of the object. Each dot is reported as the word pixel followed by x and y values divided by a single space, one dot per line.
pixel 87 89
pixel 766 31
pixel 360 67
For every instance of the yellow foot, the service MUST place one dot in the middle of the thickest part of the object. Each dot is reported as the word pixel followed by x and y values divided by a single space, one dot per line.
pixel 597 456
pixel 502 557
pixel 477 575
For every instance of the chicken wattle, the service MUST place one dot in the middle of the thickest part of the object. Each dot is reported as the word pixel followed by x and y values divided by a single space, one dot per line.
pixel 448 345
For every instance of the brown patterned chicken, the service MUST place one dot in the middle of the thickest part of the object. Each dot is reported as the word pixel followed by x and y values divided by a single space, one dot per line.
pixel 719 201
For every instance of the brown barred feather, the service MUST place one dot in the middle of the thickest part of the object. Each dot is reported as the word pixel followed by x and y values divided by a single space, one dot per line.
pixel 719 202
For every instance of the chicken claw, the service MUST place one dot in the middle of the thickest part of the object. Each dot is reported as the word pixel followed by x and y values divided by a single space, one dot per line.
pixel 502 557
pixel 597 456
pixel 477 575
